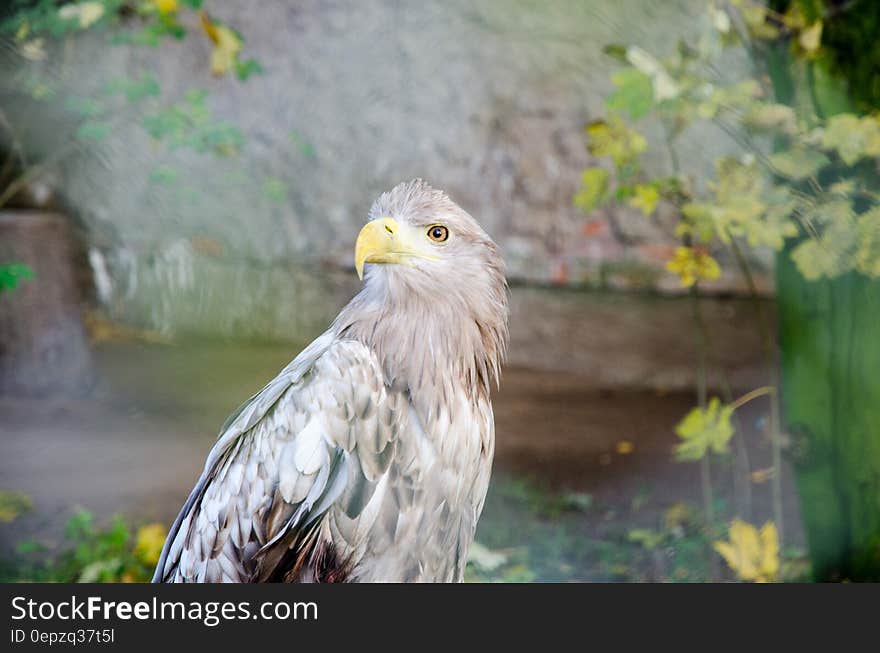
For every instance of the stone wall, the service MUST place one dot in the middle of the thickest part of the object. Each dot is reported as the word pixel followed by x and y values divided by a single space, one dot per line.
pixel 487 100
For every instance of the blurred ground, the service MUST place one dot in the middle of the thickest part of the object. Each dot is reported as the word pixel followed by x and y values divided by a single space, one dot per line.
pixel 565 500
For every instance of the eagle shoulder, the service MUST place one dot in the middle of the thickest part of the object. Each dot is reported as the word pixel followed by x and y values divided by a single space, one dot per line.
pixel 320 434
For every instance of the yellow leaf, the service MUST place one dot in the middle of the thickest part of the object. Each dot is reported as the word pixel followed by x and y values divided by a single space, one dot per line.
pixel 720 19
pixel 704 429
pixel 762 475
pixel 594 189
pixel 663 85
pixel 811 38
pixel 166 7
pixel 645 198
pixel 149 542
pixel 752 555
pixel 692 265
pixel 677 515
pixel 794 18
pixel 769 564
pixel 87 13
pixel 13 505
pixel 755 17
pixel 34 50
pixel 614 139
pixel 625 447
pixel 227 45
pixel 22 33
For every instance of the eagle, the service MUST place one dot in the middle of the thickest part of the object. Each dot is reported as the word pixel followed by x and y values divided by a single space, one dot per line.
pixel 367 459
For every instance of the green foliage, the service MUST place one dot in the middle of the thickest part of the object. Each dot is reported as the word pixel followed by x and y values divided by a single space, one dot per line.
pixel 634 93
pixel 613 139
pixel 797 164
pixel 244 69
pixel 93 130
pixel 35 27
pixel 849 46
pixel 816 188
pixel 91 553
pixel 12 274
pixel 275 190
pixel 46 18
pixel 852 137
pixel 190 123
pixel 134 90
pixel 302 145
pixel 530 532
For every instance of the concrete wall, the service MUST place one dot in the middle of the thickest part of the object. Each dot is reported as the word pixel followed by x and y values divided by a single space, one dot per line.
pixel 487 100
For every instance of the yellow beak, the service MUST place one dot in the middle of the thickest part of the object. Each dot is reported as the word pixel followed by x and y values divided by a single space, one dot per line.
pixel 381 241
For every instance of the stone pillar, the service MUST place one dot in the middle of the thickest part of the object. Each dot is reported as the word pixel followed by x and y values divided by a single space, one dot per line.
pixel 44 348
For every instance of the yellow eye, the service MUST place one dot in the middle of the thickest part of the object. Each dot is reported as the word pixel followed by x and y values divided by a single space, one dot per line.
pixel 438 233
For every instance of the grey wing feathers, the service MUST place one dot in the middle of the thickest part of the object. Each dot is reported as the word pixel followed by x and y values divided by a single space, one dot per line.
pixel 318 437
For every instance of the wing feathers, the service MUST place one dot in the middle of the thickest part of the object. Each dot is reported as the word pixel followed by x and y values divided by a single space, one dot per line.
pixel 317 436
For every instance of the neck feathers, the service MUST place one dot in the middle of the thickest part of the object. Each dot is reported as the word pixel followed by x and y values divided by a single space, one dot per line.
pixel 430 342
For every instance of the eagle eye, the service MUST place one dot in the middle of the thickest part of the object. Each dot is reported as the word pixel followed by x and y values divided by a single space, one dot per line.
pixel 438 233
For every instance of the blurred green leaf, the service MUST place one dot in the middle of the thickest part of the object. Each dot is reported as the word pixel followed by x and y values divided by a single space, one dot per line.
pixel 867 259
pixel 831 249
pixel 93 130
pixel 580 501
pixel 616 51
pixel 275 190
pixel 30 546
pixel 191 124
pixel 12 274
pixel 84 107
pixel 134 89
pixel 633 94
pixel 39 88
pixel 663 86
pixel 244 69
pixel 304 146
pixel 164 175
pixel 798 163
